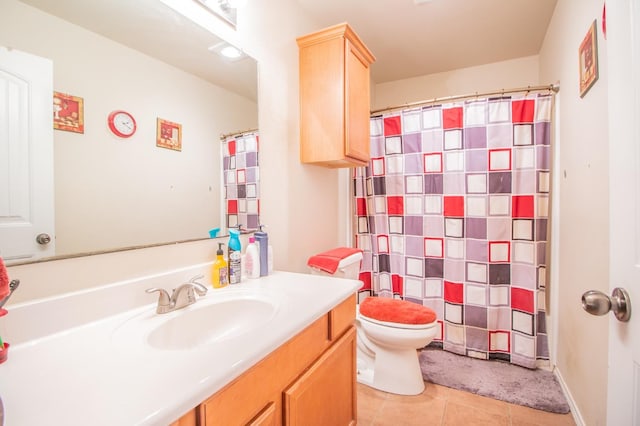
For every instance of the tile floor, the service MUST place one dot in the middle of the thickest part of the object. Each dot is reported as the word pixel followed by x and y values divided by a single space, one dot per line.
pixel 439 405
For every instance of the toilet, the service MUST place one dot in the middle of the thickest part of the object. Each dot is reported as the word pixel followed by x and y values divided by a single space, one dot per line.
pixel 389 331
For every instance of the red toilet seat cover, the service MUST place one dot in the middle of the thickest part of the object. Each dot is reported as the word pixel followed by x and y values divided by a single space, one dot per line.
pixel 396 310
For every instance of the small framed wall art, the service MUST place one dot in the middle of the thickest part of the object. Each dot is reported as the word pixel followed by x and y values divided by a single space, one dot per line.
pixel 588 59
pixel 68 113
pixel 169 135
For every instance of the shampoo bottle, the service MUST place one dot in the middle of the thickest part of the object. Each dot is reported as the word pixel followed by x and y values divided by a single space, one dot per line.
pixel 235 257
pixel 252 260
pixel 263 245
pixel 219 271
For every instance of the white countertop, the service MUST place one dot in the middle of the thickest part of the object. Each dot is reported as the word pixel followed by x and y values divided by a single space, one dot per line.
pixel 67 366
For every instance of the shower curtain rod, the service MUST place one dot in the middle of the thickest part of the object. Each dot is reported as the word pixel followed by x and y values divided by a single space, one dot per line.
pixel 226 135
pixel 555 88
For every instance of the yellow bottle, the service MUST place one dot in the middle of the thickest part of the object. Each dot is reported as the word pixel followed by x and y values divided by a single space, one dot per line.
pixel 219 276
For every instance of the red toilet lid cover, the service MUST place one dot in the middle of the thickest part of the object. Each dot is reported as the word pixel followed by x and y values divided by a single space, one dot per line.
pixel 396 310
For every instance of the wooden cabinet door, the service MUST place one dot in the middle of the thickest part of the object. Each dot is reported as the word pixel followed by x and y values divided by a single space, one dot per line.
pixel 326 393
pixel 322 130
pixel 357 139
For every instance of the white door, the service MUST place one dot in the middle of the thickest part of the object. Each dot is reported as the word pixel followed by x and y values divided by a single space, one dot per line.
pixel 623 47
pixel 26 156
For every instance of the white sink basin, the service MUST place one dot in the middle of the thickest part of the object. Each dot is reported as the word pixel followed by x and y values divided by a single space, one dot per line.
pixel 207 321
pixel 210 323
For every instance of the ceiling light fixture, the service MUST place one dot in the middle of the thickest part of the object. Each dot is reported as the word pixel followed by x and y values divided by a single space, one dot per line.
pixel 226 9
pixel 227 51
pixel 230 52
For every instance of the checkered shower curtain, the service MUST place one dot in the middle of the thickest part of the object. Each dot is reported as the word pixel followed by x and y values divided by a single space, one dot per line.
pixel 241 175
pixel 452 213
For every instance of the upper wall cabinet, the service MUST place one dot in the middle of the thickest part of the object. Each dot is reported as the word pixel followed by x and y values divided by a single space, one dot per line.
pixel 334 98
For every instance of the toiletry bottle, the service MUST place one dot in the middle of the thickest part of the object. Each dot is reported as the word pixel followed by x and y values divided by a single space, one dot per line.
pixel 263 245
pixel 219 272
pixel 252 260
pixel 235 257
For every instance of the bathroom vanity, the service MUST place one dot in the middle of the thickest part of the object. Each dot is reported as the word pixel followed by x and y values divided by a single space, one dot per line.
pixel 276 350
pixel 308 380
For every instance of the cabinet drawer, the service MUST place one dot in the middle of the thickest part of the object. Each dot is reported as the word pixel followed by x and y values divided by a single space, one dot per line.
pixel 342 317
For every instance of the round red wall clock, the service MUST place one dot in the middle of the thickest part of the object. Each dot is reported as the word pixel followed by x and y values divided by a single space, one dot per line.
pixel 121 123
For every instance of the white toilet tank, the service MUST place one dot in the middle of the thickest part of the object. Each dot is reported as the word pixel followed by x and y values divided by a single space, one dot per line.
pixel 349 267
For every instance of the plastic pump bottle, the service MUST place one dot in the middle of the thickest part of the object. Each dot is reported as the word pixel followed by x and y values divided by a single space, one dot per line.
pixel 263 251
pixel 235 257
pixel 252 260
pixel 219 270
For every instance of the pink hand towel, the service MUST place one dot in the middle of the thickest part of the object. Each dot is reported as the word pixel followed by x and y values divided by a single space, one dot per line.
pixel 4 280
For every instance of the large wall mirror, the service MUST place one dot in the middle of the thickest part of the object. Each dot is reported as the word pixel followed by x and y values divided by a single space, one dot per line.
pixel 142 57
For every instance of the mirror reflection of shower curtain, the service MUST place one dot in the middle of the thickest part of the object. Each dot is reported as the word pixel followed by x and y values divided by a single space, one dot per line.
pixel 452 213
pixel 241 175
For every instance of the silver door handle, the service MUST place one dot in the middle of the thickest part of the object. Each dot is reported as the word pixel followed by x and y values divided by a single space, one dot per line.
pixel 597 303
pixel 43 239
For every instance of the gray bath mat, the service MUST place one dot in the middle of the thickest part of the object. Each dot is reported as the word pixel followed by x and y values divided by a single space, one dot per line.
pixel 537 389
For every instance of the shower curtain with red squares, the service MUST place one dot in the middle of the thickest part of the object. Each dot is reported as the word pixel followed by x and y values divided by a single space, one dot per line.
pixel 452 213
pixel 241 172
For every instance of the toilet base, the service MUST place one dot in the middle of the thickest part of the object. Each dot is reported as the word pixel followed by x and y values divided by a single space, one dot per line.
pixel 406 380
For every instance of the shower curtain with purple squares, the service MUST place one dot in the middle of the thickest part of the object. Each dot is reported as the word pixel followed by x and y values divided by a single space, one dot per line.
pixel 452 213
pixel 241 172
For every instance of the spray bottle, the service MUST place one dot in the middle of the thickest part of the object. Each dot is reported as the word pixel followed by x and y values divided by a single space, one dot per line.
pixel 235 257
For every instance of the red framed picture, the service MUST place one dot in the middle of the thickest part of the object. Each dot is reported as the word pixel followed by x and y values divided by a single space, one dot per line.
pixel 68 113
pixel 169 135
pixel 588 57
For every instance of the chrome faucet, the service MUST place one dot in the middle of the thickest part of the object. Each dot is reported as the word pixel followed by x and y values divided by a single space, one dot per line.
pixel 182 296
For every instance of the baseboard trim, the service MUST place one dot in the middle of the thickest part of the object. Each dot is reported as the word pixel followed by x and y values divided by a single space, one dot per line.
pixel 577 417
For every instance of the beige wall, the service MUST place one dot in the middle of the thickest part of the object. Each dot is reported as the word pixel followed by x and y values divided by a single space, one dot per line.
pixel 583 202
pixel 301 207
pixel 510 74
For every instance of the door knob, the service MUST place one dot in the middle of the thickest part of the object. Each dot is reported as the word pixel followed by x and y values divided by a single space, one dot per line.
pixel 597 303
pixel 43 239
